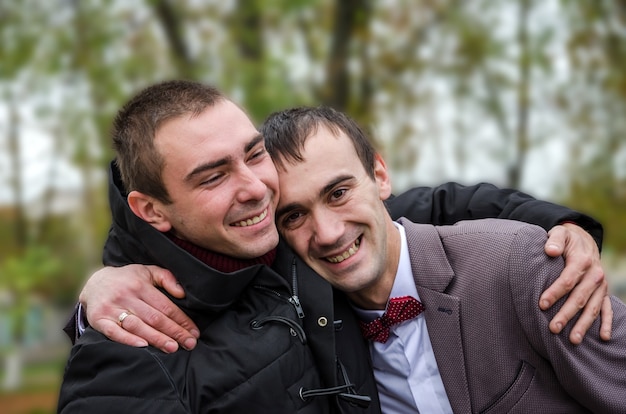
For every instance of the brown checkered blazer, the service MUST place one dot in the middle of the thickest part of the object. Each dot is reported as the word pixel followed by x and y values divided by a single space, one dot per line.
pixel 480 283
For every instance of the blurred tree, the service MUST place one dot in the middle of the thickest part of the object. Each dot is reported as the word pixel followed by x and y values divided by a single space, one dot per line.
pixel 23 277
pixel 18 49
pixel 173 25
pixel 348 38
pixel 448 87
pixel 19 223
pixel 246 30
pixel 595 103
pixel 515 93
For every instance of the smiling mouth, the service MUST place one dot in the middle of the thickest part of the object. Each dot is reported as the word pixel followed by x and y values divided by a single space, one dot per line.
pixel 347 254
pixel 251 221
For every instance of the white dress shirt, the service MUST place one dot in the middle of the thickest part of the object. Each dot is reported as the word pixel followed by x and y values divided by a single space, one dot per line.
pixel 405 368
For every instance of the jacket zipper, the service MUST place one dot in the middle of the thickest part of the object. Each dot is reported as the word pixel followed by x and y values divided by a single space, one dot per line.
pixel 293 299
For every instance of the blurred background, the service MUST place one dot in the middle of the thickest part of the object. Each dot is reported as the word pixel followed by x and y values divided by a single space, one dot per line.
pixel 529 94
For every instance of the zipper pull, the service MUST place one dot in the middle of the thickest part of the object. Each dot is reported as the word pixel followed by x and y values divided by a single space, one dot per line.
pixel 296 304
pixel 295 301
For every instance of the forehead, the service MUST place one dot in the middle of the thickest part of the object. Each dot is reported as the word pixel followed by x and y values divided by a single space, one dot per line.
pixel 326 155
pixel 219 123
pixel 219 134
pixel 322 146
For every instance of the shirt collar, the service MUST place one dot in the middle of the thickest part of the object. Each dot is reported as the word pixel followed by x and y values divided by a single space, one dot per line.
pixel 403 285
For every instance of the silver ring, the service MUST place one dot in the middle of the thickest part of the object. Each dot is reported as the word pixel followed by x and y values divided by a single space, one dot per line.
pixel 121 318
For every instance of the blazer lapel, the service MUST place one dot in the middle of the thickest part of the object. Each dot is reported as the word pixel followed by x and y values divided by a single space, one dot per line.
pixel 432 273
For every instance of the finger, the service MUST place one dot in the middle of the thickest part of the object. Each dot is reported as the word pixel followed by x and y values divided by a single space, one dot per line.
pixel 557 238
pixel 135 326
pixel 587 317
pixel 163 315
pixel 607 319
pixel 586 295
pixel 569 277
pixel 158 329
pixel 165 279
pixel 114 332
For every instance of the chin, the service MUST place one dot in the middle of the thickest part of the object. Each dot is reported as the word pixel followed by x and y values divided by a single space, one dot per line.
pixel 341 283
pixel 258 248
pixel 263 242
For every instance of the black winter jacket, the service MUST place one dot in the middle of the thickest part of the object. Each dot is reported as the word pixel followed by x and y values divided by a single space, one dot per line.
pixel 252 355
pixel 339 353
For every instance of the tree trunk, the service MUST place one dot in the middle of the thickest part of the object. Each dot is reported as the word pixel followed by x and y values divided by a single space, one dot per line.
pixel 20 224
pixel 13 363
pixel 246 29
pixel 349 16
pixel 172 25
pixel 523 99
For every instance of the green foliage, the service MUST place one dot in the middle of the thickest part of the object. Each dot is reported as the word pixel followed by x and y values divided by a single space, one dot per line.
pixel 432 79
pixel 603 197
pixel 439 82
pixel 26 275
pixel 30 272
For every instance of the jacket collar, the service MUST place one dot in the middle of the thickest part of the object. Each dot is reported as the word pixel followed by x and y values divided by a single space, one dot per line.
pixel 132 240
pixel 433 274
pixel 429 263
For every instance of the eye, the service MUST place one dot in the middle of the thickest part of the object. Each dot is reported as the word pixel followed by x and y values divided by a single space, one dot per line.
pixel 212 179
pixel 259 153
pixel 338 194
pixel 291 220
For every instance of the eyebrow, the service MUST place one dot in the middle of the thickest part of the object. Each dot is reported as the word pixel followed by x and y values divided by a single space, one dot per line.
pixel 222 161
pixel 325 190
pixel 253 142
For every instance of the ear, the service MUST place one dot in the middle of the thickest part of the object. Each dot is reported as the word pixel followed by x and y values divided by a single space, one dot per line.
pixel 149 210
pixel 382 177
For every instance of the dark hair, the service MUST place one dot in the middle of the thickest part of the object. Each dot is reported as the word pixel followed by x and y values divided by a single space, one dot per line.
pixel 136 124
pixel 286 132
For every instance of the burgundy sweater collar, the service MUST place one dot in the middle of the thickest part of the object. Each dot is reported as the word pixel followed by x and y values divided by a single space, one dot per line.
pixel 219 261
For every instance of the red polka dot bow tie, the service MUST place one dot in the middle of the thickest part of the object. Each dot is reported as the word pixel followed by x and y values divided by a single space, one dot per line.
pixel 398 310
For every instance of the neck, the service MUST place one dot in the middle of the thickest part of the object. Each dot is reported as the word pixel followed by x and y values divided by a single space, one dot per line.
pixel 377 295
pixel 372 298
pixel 220 262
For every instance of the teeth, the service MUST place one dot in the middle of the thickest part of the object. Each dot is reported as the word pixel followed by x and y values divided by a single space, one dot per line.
pixel 251 221
pixel 350 252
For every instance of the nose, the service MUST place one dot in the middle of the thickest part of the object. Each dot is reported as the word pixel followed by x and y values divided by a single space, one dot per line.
pixel 251 186
pixel 327 227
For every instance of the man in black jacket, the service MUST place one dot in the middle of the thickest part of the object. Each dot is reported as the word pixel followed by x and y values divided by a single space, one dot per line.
pixel 133 240
pixel 188 160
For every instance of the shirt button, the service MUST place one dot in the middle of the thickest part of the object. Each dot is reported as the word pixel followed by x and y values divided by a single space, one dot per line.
pixel 322 321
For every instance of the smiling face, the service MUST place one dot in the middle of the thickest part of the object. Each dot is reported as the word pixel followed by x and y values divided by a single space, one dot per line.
pixel 332 214
pixel 222 182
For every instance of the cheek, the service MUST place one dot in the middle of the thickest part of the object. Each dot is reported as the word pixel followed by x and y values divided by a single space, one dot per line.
pixel 268 171
pixel 209 208
pixel 286 182
pixel 288 236
pixel 298 244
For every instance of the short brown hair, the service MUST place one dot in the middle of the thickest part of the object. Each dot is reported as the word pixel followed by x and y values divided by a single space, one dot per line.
pixel 136 124
pixel 286 132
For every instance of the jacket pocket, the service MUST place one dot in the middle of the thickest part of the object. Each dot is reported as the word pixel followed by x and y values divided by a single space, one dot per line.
pixel 515 392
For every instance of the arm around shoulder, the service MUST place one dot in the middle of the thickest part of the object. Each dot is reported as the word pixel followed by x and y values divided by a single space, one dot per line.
pixel 592 372
pixel 452 202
